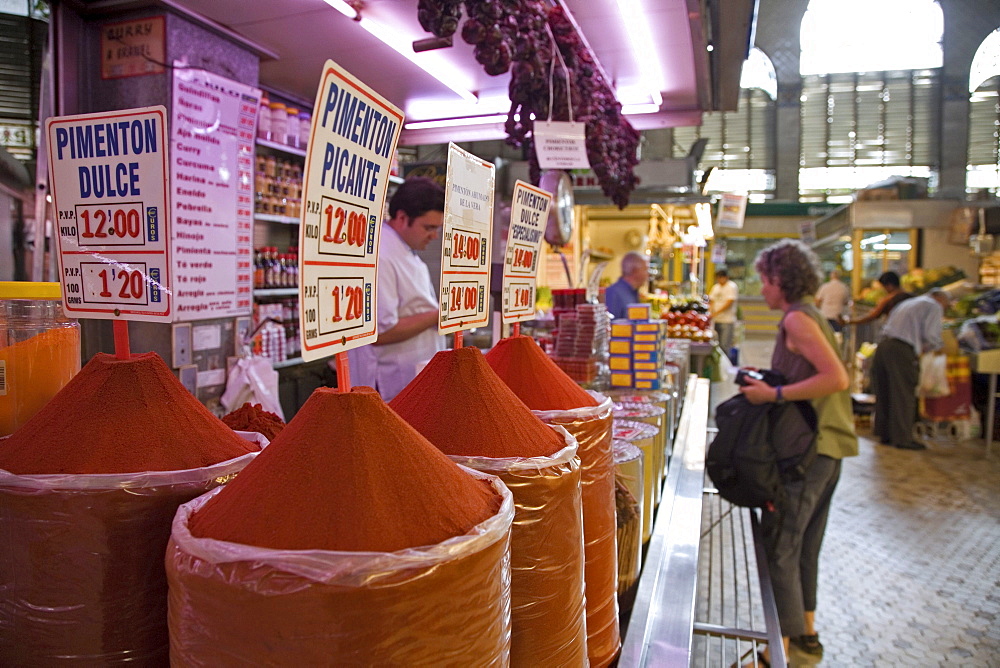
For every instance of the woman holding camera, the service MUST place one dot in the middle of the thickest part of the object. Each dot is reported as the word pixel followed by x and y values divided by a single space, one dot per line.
pixel 805 354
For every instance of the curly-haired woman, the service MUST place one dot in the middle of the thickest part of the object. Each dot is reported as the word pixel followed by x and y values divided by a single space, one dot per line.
pixel 806 355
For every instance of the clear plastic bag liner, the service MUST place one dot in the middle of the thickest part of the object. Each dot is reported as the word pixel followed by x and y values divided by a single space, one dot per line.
pixel 81 563
pixel 591 425
pixel 548 621
pixel 629 472
pixel 444 604
pixel 643 436
pixel 652 415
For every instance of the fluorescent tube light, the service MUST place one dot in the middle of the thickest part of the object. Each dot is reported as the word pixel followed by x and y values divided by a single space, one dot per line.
pixel 641 40
pixel 404 47
pixel 455 122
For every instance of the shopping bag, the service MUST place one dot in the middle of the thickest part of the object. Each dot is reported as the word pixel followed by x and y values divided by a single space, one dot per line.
pixel 934 375
pixel 253 380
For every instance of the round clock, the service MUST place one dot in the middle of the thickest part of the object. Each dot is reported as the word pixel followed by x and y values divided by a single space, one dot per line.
pixel 559 229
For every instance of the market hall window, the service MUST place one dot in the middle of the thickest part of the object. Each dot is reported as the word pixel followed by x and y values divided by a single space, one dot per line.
pixel 740 147
pixel 983 175
pixel 870 79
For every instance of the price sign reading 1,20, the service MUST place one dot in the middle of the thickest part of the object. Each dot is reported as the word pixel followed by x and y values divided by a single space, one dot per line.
pixel 344 304
pixel 109 283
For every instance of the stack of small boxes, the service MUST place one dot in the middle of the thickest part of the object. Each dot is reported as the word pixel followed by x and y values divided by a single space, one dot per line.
pixel 582 342
pixel 636 349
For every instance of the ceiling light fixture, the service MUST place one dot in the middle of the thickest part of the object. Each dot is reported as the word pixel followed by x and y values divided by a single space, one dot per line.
pixel 455 122
pixel 403 46
pixel 641 41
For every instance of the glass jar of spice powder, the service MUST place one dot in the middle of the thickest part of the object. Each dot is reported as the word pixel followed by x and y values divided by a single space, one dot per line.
pixel 39 349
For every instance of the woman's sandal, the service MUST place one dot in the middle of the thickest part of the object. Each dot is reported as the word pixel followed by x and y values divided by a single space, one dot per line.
pixel 809 644
pixel 761 660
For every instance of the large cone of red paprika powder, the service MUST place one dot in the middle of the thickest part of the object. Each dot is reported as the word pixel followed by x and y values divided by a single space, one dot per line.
pixel 88 490
pixel 557 400
pixel 355 541
pixel 463 408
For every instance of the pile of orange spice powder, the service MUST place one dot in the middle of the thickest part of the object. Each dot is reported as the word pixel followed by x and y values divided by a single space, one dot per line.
pixel 253 417
pixel 81 572
pixel 355 511
pixel 346 474
pixel 463 408
pixel 121 416
pixel 543 386
pixel 534 377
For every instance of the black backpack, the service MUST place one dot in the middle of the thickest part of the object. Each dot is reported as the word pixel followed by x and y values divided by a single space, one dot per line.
pixel 758 448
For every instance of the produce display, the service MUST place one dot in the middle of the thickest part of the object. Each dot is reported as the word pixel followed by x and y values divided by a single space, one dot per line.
pixel 517 35
pixel 688 319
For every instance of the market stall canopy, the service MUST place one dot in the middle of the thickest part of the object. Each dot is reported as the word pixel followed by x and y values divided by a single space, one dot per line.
pixel 668 61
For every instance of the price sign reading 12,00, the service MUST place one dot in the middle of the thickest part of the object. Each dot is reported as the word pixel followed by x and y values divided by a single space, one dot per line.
pixel 351 144
pixel 108 174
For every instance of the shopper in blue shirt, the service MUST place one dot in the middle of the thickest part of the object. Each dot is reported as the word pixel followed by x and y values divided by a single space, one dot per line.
pixel 625 291
pixel 913 328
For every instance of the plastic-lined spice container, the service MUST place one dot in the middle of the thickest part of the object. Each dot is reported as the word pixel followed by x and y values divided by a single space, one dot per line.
pixel 39 349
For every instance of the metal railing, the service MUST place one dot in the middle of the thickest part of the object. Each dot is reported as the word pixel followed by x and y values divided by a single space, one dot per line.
pixel 698 602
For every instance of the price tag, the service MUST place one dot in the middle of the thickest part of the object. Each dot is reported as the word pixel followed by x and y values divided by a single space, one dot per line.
pixel 351 143
pixel 529 213
pixel 466 246
pixel 732 210
pixel 109 190
pixel 561 145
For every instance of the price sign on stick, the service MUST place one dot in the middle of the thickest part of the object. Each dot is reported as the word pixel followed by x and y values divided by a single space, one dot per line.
pixel 467 242
pixel 351 144
pixel 109 189
pixel 529 212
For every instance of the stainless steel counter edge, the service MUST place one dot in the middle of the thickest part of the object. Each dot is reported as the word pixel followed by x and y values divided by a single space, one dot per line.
pixel 660 629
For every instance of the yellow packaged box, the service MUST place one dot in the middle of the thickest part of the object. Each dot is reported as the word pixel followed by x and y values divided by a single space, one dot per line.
pixel 647 375
pixel 643 366
pixel 620 346
pixel 620 379
pixel 639 312
pixel 620 363
pixel 621 329
pixel 643 347
pixel 645 338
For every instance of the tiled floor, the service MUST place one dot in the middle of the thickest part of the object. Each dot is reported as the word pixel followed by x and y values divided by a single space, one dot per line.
pixel 910 567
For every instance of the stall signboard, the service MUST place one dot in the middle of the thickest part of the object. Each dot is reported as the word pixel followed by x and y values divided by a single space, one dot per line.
pixel 108 177
pixel 467 239
pixel 212 130
pixel 351 143
pixel 529 212
pixel 561 145
pixel 732 211
pixel 133 48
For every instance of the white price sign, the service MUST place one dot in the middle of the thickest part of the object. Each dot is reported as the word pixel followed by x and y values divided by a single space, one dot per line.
pixel 467 243
pixel 529 213
pixel 351 143
pixel 109 190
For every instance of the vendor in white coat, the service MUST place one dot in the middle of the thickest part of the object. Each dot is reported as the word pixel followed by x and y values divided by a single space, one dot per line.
pixel 407 302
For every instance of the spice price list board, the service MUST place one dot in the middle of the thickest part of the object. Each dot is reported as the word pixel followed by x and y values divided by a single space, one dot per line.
pixel 213 126
pixel 351 143
pixel 108 176
pixel 529 212
pixel 467 240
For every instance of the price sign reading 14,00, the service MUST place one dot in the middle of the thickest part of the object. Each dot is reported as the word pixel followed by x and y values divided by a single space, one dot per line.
pixel 466 249
pixel 102 225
